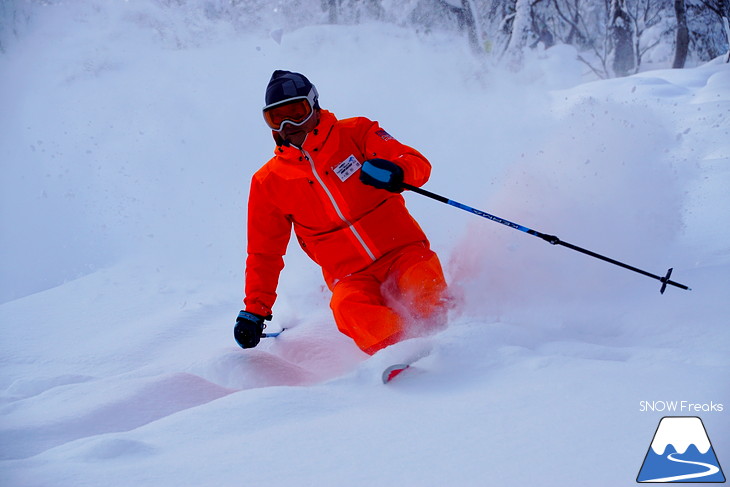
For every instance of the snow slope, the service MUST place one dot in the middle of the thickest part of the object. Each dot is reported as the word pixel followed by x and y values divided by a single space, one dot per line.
pixel 126 160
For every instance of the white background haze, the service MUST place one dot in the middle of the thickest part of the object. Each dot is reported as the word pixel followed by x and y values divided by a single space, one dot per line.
pixel 127 142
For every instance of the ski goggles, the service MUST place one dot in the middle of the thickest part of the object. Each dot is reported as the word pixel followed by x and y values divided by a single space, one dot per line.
pixel 295 111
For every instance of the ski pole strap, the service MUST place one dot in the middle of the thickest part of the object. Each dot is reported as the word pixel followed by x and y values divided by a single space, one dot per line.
pixel 552 239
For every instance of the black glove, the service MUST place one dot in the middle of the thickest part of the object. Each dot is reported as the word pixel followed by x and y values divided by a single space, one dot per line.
pixel 382 174
pixel 248 329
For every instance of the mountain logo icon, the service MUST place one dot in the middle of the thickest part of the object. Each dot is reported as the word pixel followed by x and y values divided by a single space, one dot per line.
pixel 680 452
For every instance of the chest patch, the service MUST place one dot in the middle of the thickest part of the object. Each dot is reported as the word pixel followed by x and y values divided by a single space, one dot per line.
pixel 347 168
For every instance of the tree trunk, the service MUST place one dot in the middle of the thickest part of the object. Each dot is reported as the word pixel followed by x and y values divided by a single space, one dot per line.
pixel 332 8
pixel 624 58
pixel 680 54
pixel 469 24
pixel 726 25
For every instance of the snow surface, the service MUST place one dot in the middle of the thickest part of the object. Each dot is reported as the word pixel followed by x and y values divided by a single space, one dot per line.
pixel 126 156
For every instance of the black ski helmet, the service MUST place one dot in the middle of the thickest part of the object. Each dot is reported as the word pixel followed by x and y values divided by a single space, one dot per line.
pixel 286 84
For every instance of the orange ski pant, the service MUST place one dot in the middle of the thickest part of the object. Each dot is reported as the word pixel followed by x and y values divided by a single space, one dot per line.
pixel 399 295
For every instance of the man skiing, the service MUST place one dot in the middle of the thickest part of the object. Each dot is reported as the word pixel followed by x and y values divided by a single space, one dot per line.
pixel 337 183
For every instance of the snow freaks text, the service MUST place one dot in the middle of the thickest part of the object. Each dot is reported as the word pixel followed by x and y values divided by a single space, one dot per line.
pixel 685 407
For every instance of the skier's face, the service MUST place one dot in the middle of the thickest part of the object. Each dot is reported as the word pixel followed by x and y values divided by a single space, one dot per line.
pixel 296 135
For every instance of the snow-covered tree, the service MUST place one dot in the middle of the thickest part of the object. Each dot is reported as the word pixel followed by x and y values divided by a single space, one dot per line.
pixel 622 38
pixel 521 28
pixel 720 10
pixel 682 45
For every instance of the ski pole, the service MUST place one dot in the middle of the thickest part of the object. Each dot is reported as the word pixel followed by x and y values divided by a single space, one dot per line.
pixel 272 335
pixel 552 239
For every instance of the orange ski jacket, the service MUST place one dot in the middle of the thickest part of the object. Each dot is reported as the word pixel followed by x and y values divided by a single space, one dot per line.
pixel 341 223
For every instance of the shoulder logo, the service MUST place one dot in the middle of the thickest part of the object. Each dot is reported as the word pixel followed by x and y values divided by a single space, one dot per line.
pixel 680 452
pixel 384 135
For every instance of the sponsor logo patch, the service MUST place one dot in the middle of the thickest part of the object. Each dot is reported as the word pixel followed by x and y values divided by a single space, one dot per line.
pixel 384 135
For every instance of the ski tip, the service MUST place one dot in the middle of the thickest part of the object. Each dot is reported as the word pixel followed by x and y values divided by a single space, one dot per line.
pixel 393 371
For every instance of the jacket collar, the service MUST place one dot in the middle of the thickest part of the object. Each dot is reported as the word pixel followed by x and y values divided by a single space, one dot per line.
pixel 314 141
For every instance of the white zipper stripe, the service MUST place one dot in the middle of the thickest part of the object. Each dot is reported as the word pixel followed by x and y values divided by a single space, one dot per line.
pixel 337 208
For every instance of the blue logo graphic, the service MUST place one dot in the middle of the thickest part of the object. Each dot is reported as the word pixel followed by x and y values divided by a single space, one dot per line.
pixel 680 452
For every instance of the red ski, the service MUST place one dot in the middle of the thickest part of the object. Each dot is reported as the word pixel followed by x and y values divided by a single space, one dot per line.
pixel 393 371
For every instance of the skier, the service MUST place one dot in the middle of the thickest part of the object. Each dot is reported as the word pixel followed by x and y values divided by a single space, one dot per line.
pixel 338 184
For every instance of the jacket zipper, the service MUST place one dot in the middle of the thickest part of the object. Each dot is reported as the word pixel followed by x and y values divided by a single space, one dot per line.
pixel 336 206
